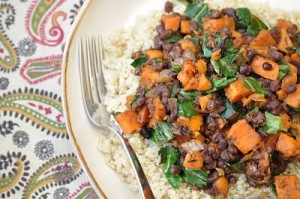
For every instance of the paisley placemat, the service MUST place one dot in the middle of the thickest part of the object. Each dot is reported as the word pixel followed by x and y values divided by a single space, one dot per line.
pixel 37 159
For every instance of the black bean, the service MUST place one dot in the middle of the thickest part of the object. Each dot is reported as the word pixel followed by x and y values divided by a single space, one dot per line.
pixel 146 132
pixel 167 47
pixel 168 7
pixel 225 156
pixel 157 42
pixel 211 165
pixel 211 126
pixel 216 136
pixel 274 54
pixel 138 71
pixel 193 26
pixel 215 14
pixel 232 149
pixel 277 110
pixel 251 54
pixel 207 159
pixel 245 69
pixel 272 104
pixel 267 66
pixel 262 133
pixel 223 144
pixel 175 169
pixel 211 149
pixel 291 88
pixel 160 28
pixel 166 34
pixel 212 177
pixel 230 12
pixel 232 179
pixel 211 105
pixel 225 32
pixel 221 164
pixel 275 85
pixel 256 118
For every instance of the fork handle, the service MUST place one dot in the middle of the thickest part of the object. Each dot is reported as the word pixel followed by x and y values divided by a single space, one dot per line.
pixel 142 180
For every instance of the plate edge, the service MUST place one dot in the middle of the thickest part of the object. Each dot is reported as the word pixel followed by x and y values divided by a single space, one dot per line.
pixel 78 152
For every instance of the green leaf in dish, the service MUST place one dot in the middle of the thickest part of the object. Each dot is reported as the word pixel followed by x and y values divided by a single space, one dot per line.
pixel 195 177
pixel 225 66
pixel 254 85
pixel 162 132
pixel 174 38
pixel 273 123
pixel 284 69
pixel 244 16
pixel 197 10
pixel 186 108
pixel 189 95
pixel 256 26
pixel 140 61
pixel 218 84
pixel 206 51
pixel 175 67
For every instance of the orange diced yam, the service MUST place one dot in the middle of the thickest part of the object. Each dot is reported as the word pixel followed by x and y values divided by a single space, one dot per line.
pixel 293 99
pixel 287 145
pixel 221 185
pixel 287 187
pixel 144 115
pixel 286 120
pixel 187 44
pixel 201 66
pixel 284 24
pixel 186 74
pixel 238 40
pixel 171 22
pixel 185 27
pixel 193 160
pixel 154 54
pixel 198 136
pixel 257 67
pixel 285 41
pixel 243 136
pixel 261 50
pixel 129 100
pixel 215 25
pixel 128 121
pixel 204 83
pixel 148 75
pixel 264 38
pixel 203 101
pixel 159 112
pixel 194 123
pixel 237 90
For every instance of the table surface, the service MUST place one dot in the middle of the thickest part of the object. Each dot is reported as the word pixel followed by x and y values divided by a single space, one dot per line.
pixel 37 159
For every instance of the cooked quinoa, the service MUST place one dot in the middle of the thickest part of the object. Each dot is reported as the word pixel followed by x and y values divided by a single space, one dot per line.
pixel 121 82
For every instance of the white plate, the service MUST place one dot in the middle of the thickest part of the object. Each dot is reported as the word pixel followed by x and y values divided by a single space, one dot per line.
pixel 103 17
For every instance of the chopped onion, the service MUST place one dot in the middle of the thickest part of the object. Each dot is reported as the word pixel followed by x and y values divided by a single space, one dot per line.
pixel 192 146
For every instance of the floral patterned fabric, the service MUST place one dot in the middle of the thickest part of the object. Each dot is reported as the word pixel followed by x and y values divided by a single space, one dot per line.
pixel 37 159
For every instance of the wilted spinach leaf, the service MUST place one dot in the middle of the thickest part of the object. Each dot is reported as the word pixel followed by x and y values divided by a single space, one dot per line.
pixel 273 123
pixel 197 10
pixel 225 66
pixel 254 85
pixel 189 95
pixel 186 108
pixel 176 67
pixel 284 69
pixel 230 110
pixel 220 83
pixel 244 16
pixel 195 177
pixel 170 156
pixel 256 26
pixel 206 51
pixel 162 132
pixel 140 61
pixel 174 38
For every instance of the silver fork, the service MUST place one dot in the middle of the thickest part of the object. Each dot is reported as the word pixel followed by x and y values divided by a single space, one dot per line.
pixel 91 57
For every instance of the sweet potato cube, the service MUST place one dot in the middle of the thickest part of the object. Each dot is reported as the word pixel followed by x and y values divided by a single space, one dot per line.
pixel 187 44
pixel 238 40
pixel 243 136
pixel 215 25
pixel 128 121
pixel 203 101
pixel 257 67
pixel 286 120
pixel 204 83
pixel 237 90
pixel 185 27
pixel 201 66
pixel 287 187
pixel 222 186
pixel 264 38
pixel 154 54
pixel 186 74
pixel 287 145
pixel 158 113
pixel 194 123
pixel 148 75
pixel 193 160
pixel 293 99
pixel 171 22
pixel 144 115
pixel 285 41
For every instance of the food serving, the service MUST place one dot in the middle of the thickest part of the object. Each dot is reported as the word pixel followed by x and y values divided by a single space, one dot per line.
pixel 218 98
